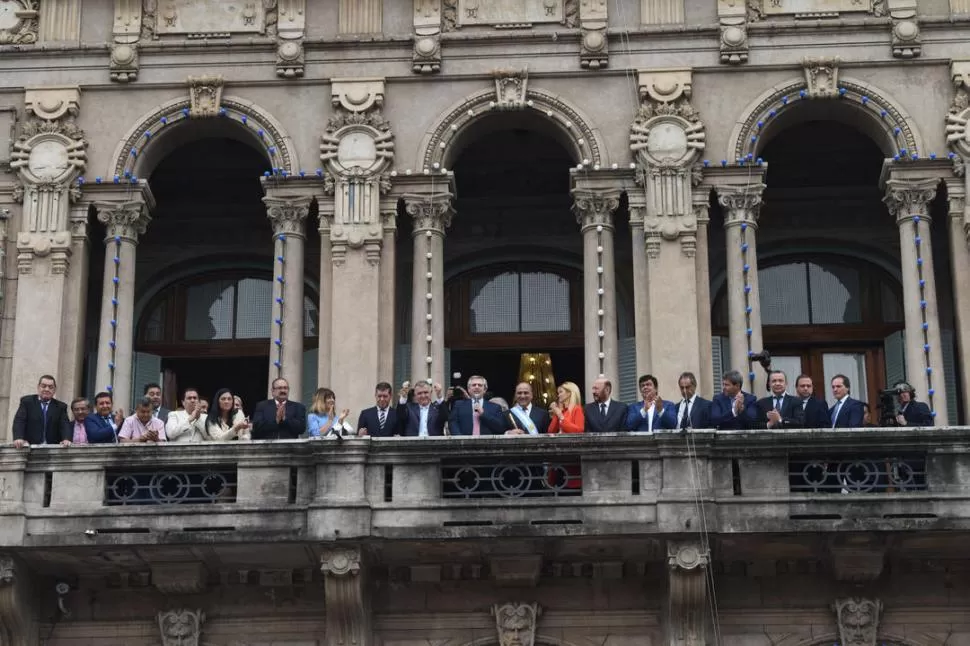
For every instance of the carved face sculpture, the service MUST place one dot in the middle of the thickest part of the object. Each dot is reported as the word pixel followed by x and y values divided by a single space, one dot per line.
pixel 516 625
pixel 857 623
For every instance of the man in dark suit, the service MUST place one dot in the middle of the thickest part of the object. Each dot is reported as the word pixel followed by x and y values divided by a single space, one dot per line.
pixel 733 409
pixel 528 418
pixel 652 414
pixel 603 415
pixel 279 418
pixel 379 420
pixel 103 424
pixel 810 412
pixel 847 412
pixel 421 417
pixel 911 412
pixel 475 416
pixel 693 411
pixel 41 419
pixel 778 410
pixel 154 393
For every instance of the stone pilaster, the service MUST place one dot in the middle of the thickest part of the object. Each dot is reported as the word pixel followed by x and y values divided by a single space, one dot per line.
pixel 126 31
pixel 687 605
pixel 908 196
pixel 957 185
pixel 741 204
pixel 388 283
pixel 667 138
pixel 348 609
pixel 48 157
pixel 702 271
pixel 18 614
pixel 60 21
pixel 125 220
pixel 594 52
pixel 432 213
pixel 69 372
pixel 594 212
pixel 733 20
pixel 641 297
pixel 360 16
pixel 287 213
pixel 356 149
pixel 906 39
pixel 290 32
pixel 426 56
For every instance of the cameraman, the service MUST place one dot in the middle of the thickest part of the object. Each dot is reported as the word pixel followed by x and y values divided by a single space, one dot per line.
pixel 911 412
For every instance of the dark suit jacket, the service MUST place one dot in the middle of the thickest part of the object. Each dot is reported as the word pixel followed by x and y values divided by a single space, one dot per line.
pixel 815 414
pixel 266 428
pixel 461 420
pixel 28 423
pixel 662 419
pixel 368 419
pixel 163 414
pixel 409 419
pixel 700 414
pixel 722 413
pixel 99 431
pixel 789 404
pixel 850 415
pixel 918 414
pixel 615 418
pixel 539 417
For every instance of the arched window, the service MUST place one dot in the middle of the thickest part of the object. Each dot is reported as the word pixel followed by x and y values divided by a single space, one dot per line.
pixel 228 312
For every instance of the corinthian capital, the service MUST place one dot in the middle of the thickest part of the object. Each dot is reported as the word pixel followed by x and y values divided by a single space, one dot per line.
pixel 741 203
pixel 908 199
pixel 430 212
pixel 287 214
pixel 594 208
pixel 126 220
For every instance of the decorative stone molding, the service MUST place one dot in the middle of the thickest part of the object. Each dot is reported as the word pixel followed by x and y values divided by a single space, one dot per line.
pixel 123 63
pixel 291 30
pixel 958 116
pixel 742 204
pixel 510 89
pixel 959 210
pixel 431 213
pixel 858 620
pixel 594 208
pixel 179 578
pixel 426 55
pixel 457 14
pixel 19 25
pixel 127 220
pixel 586 143
pixel 687 563
pixel 662 12
pixel 907 199
pixel 17 603
pixel 287 214
pixel 515 623
pixel 191 19
pixel 822 77
pixel 205 95
pixel 857 559
pixel 514 571
pixel 348 603
pixel 181 627
pixel 805 9
pixel 667 139
pixel 905 33
pixel 732 18
pixel 594 44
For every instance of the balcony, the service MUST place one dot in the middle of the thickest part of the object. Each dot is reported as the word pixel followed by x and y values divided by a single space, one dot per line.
pixel 489 487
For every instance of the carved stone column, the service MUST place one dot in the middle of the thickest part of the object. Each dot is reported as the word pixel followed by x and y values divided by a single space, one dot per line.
pixel 858 621
pixel 432 214
pixel 181 627
pixel 125 221
pixel 347 592
pixel 701 205
pixel 515 623
pixel 18 614
pixel 594 213
pixel 687 593
pixel 357 150
pixel 667 138
pixel 287 213
pixel 908 196
pixel 48 157
pixel 426 57
pixel 958 138
pixel 741 204
pixel 69 375
pixel 387 288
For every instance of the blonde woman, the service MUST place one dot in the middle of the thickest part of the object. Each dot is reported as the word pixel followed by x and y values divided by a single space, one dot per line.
pixel 567 410
pixel 322 418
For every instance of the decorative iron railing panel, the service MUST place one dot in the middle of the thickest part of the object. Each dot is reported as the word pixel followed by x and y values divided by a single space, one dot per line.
pixel 857 474
pixel 503 478
pixel 215 484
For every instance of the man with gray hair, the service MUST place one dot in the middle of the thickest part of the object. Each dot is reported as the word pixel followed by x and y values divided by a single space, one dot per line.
pixel 422 417
pixel 733 409
pixel 475 416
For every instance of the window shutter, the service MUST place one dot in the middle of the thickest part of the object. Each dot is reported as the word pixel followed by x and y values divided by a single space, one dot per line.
pixel 147 369
pixel 310 361
pixel 402 365
pixel 627 365
pixel 950 375
pixel 895 349
pixel 721 354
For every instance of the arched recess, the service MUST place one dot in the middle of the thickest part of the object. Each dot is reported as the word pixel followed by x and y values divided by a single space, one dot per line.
pixel 882 639
pixel 170 125
pixel 540 640
pixel 565 123
pixel 858 104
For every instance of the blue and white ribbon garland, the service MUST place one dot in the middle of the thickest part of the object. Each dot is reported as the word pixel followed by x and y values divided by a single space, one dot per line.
pixel 280 299
pixel 746 279
pixel 924 324
pixel 115 286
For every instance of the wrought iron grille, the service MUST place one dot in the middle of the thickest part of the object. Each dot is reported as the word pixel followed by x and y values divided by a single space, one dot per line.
pixel 183 487
pixel 857 474
pixel 498 478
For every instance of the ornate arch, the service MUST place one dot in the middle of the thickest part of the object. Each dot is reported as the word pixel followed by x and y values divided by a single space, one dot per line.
pixel 883 115
pixel 540 640
pixel 882 639
pixel 586 144
pixel 261 127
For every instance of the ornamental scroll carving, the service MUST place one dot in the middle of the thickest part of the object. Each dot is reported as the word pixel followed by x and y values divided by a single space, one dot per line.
pixel 958 116
pixel 511 88
pixel 181 627
pixel 858 620
pixel 197 19
pixel 906 199
pixel 667 138
pixel 357 150
pixel 205 95
pixel 821 77
pixel 687 563
pixel 20 25
pixel 519 14
pixel 347 607
pixel 515 623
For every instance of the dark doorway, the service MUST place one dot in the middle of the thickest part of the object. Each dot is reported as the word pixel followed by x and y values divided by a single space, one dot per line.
pixel 501 367
pixel 245 376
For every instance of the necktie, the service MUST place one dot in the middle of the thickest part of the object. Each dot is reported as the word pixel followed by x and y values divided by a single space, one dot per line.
pixel 804 403
pixel 603 410
pixel 835 413
pixel 685 420
pixel 476 423
pixel 778 404
pixel 423 414
pixel 381 417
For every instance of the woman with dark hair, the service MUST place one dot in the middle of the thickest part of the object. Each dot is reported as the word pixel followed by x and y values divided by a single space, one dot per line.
pixel 226 422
